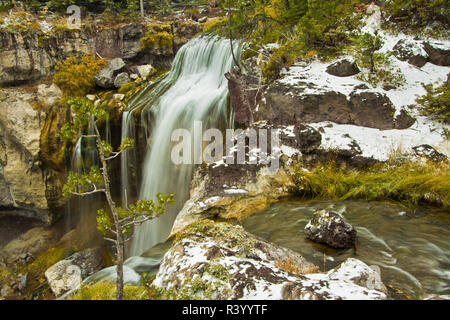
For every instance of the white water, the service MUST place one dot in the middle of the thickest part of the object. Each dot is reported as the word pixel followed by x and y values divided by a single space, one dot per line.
pixel 194 90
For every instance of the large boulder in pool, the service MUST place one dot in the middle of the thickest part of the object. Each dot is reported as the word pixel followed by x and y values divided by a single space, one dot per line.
pixel 330 228
pixel 222 261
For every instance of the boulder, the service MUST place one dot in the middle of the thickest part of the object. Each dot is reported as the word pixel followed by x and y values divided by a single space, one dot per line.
pixel 121 79
pixel 410 51
pixel 330 228
pixel 48 95
pixel 146 71
pixel 343 68
pixel 105 78
pixel 403 120
pixel 63 277
pixel 439 52
pixel 308 138
pixel 220 261
pixel 67 274
pixel 429 152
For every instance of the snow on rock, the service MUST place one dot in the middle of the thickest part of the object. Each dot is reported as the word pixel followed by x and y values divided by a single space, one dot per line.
pixel 330 228
pixel 220 261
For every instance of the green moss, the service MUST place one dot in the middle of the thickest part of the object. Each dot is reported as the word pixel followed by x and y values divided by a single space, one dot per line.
pixel 37 284
pixel 410 184
pixel 75 75
pixel 232 235
pixel 282 57
pixel 107 291
pixel 158 36
pixel 218 271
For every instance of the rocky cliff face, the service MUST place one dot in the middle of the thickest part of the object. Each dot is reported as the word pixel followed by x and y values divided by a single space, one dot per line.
pixel 32 55
pixel 24 181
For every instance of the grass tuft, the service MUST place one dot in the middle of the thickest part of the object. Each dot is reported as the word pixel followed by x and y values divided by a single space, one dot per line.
pixel 410 184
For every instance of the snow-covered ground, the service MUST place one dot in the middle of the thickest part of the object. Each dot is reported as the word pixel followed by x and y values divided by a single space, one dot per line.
pixel 375 143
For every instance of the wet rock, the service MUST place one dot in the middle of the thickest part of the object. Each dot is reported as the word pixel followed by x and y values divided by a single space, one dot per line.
pixel 429 152
pixel 410 51
pixel 308 138
pixel 343 68
pixel 68 274
pixel 330 228
pixel 146 71
pixel 105 78
pixel 239 265
pixel 439 52
pixel 121 79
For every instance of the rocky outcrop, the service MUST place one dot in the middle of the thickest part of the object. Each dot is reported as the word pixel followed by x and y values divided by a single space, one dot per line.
pixel 281 103
pixel 330 228
pixel 32 55
pixel 31 155
pixel 439 53
pixel 343 68
pixel 30 244
pixel 220 261
pixel 105 78
pixel 68 274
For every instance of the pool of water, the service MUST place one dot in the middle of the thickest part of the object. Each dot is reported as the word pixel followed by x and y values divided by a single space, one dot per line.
pixel 412 248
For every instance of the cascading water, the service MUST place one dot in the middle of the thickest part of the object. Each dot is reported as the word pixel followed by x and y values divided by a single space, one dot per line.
pixel 84 156
pixel 194 90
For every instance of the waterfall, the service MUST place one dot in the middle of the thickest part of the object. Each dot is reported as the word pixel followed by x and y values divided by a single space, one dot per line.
pixel 84 156
pixel 194 90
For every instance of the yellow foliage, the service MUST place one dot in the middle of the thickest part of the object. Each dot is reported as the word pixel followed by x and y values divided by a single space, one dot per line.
pixel 75 75
pixel 107 291
pixel 158 36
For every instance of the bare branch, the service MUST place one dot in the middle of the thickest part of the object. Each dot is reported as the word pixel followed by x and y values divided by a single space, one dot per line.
pixel 88 192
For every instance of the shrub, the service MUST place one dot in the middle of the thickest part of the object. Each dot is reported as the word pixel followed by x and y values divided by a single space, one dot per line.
pixel 419 13
pixel 75 75
pixel 378 63
pixel 436 102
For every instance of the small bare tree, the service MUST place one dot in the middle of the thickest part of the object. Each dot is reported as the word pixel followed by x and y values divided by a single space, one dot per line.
pixel 98 181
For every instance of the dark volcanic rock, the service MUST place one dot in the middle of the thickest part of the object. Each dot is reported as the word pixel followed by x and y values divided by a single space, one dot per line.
pixel 343 68
pixel 304 102
pixel 411 51
pixel 439 54
pixel 308 138
pixel 330 228
pixel 404 120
